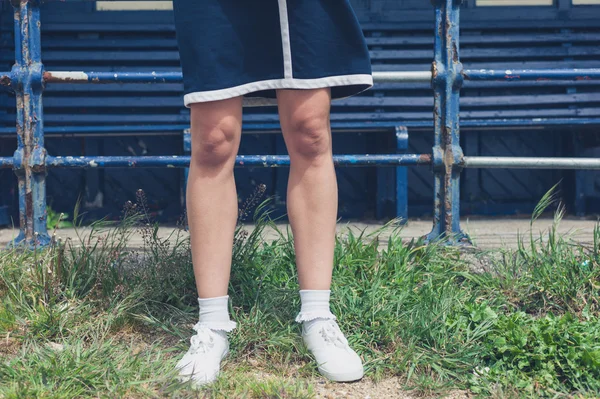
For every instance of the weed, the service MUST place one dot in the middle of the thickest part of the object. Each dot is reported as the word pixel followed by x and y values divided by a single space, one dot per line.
pixel 96 317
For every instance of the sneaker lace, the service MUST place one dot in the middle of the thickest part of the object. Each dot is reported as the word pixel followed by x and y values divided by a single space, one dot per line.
pixel 202 341
pixel 332 335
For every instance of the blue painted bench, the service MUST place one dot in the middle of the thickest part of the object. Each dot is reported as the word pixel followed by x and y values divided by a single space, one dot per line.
pixel 101 41
pixel 139 47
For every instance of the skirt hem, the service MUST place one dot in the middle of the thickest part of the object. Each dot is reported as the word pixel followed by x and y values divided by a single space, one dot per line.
pixel 274 84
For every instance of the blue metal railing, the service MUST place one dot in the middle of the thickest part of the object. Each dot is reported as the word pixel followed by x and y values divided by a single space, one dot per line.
pixel 30 161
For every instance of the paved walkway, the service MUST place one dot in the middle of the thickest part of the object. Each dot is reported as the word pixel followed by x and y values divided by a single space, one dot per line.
pixel 485 233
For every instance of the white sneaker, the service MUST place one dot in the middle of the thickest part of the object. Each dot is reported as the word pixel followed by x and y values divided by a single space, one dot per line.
pixel 202 361
pixel 336 360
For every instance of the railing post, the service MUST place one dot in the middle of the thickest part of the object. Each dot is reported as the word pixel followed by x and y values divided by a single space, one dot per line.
pixel 30 155
pixel 447 153
pixel 402 176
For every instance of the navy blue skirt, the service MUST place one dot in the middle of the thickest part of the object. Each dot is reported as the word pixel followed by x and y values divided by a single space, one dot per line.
pixel 251 48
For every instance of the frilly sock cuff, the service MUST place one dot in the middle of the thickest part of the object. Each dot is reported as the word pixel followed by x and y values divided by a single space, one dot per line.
pixel 317 314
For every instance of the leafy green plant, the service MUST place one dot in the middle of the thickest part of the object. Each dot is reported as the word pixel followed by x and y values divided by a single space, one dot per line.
pixel 56 220
pixel 543 356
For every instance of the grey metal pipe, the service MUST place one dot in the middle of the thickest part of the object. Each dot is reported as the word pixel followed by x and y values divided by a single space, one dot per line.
pixel 402 77
pixel 531 163
pixel 378 76
pixel 176 77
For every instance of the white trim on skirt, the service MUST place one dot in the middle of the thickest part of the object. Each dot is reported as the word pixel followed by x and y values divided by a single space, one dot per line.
pixel 285 40
pixel 274 84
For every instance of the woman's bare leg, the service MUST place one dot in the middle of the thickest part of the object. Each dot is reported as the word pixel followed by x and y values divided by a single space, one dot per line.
pixel 211 199
pixel 312 193
pixel 312 200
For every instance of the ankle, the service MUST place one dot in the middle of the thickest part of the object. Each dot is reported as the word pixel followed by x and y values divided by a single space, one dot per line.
pixel 315 305
pixel 214 314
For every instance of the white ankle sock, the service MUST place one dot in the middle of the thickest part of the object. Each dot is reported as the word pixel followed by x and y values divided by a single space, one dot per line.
pixel 315 305
pixel 214 313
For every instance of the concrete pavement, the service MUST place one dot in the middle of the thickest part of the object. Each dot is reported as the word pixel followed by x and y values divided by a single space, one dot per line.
pixel 486 233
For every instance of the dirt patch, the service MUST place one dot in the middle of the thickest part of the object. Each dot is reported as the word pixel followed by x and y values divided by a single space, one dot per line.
pixel 142 337
pixel 384 389
pixel 481 261
pixel 9 346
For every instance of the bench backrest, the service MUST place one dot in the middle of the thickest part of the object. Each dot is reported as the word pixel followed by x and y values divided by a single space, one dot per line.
pixel 105 46
pixel 110 42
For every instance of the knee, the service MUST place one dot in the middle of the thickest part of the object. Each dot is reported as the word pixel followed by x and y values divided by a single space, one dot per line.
pixel 214 144
pixel 310 137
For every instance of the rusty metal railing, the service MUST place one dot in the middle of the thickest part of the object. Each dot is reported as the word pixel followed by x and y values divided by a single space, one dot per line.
pixel 31 161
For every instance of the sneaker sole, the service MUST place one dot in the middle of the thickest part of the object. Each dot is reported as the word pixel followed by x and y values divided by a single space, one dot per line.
pixel 346 377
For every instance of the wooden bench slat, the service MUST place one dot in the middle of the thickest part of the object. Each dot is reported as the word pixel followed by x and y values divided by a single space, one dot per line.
pixel 377 66
pixel 176 89
pixel 112 56
pixel 398 117
pixel 466 39
pixel 487 53
pixel 357 101
pixel 426 41
pixel 98 25
pixel 107 22
pixel 132 47
pixel 493 65
pixel 160 21
pixel 522 25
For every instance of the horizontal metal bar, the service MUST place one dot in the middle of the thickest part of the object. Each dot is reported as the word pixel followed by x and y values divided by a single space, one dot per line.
pixel 532 74
pixel 112 77
pixel 183 161
pixel 176 77
pixel 378 76
pixel 341 160
pixel 6 162
pixel 531 163
pixel 534 122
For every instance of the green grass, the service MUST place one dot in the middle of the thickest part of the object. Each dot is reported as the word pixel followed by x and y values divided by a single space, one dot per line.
pixel 94 318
